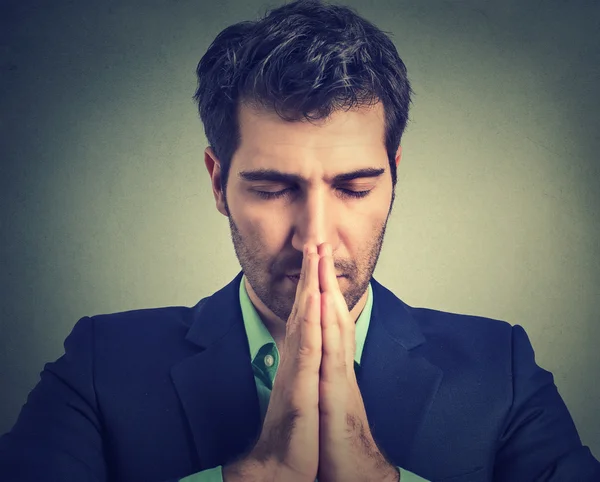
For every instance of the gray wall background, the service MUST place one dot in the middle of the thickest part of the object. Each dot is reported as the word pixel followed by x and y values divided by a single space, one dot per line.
pixel 106 202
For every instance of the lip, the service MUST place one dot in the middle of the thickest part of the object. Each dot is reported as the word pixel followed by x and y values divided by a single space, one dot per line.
pixel 296 278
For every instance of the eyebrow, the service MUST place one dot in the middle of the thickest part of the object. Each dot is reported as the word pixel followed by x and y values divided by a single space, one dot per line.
pixel 273 175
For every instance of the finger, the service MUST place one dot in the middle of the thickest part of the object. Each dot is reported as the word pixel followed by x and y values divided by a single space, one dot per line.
pixel 308 248
pixel 302 287
pixel 298 298
pixel 312 274
pixel 304 307
pixel 312 297
pixel 333 371
pixel 333 382
pixel 334 355
pixel 325 283
pixel 298 301
pixel 327 279
pixel 338 305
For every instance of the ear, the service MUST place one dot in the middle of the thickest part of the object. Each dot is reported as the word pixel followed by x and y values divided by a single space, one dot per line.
pixel 213 165
pixel 398 155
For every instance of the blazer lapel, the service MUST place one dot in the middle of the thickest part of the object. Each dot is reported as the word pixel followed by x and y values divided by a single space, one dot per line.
pixel 397 384
pixel 218 392
pixel 216 387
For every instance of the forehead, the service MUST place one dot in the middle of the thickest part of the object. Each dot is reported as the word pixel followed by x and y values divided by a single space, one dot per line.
pixel 344 135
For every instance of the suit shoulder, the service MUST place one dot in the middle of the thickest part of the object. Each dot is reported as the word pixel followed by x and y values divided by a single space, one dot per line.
pixel 145 323
pixel 431 320
pixel 477 341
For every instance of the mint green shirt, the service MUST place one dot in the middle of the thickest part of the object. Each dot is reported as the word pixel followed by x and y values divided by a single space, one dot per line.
pixel 265 360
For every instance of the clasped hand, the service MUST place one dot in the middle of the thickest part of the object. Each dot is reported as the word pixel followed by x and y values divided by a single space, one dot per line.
pixel 347 449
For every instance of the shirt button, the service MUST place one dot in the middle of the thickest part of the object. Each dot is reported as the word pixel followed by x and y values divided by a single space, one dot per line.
pixel 269 360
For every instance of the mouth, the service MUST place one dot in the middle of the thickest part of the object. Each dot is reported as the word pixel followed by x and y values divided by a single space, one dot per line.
pixel 296 278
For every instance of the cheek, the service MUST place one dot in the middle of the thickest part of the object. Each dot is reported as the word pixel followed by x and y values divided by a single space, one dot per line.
pixel 263 224
pixel 247 213
pixel 366 227
pixel 373 213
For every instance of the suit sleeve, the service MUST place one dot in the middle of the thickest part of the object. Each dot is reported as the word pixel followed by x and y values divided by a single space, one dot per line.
pixel 539 441
pixel 58 434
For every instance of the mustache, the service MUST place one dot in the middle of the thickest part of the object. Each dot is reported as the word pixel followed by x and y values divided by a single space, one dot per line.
pixel 296 267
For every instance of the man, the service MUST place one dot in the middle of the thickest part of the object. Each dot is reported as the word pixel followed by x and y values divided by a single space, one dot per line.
pixel 303 366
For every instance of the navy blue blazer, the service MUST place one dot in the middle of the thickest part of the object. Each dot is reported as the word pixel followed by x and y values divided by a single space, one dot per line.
pixel 154 395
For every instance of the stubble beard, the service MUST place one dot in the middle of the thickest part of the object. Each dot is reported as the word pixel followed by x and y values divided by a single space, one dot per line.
pixel 281 302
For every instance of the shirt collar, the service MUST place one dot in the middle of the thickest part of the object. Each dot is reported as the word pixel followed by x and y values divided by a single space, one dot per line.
pixel 259 336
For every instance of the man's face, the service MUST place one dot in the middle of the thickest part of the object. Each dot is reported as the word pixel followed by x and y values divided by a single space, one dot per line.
pixel 269 234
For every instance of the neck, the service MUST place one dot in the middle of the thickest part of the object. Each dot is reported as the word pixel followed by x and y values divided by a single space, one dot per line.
pixel 277 326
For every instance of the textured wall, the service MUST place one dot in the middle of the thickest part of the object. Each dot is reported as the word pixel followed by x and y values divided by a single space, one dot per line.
pixel 106 203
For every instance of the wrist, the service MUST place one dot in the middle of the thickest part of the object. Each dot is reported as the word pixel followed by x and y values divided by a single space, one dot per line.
pixel 395 474
pixel 245 469
pixel 391 473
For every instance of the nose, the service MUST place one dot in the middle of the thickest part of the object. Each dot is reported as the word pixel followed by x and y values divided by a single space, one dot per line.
pixel 316 220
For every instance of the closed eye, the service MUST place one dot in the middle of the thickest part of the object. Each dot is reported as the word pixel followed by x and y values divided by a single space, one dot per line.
pixel 283 192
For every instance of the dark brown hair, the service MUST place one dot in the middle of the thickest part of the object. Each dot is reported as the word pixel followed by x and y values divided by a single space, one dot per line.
pixel 304 60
